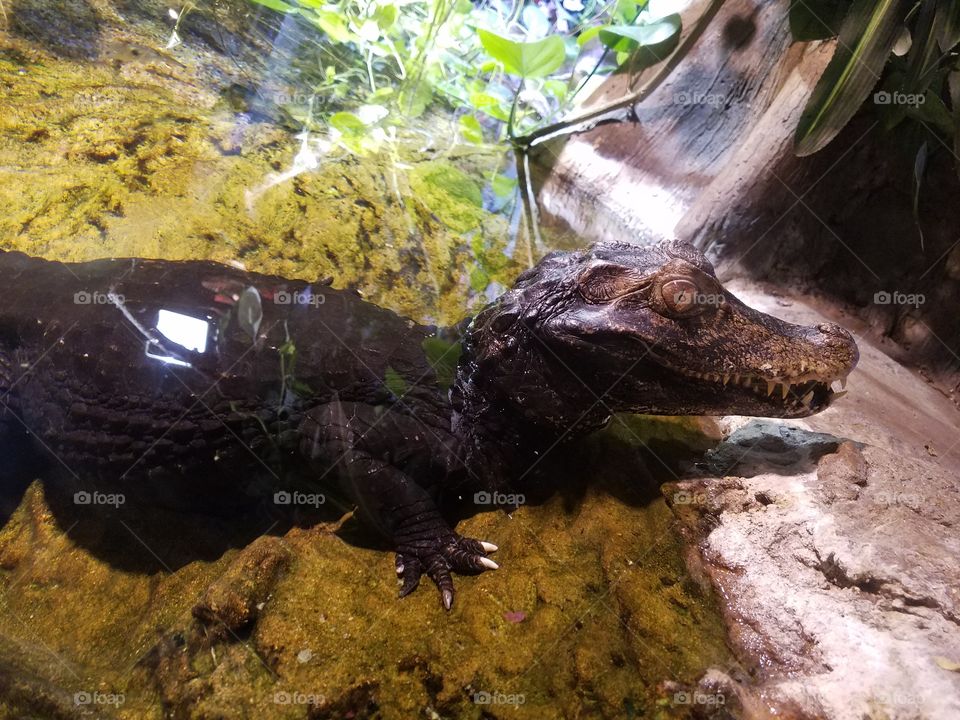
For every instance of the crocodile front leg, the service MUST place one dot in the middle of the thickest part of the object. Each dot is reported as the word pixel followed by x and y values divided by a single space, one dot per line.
pixel 340 439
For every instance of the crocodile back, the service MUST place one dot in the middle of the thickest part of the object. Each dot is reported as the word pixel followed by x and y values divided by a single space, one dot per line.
pixel 131 368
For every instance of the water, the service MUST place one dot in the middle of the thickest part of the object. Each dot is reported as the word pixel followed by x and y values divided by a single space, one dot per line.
pixel 112 144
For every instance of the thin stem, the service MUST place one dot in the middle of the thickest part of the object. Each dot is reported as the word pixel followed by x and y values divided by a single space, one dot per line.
pixel 513 111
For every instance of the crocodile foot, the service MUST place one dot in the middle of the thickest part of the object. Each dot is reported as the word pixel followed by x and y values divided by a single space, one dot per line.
pixel 438 557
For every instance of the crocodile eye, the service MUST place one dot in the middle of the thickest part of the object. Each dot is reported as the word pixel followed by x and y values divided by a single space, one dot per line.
pixel 680 296
pixel 605 282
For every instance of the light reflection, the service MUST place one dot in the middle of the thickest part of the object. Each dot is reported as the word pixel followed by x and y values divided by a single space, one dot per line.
pixel 187 331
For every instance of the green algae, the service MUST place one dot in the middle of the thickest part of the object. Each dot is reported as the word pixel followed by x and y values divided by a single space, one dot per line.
pixel 592 611
pixel 450 194
pixel 93 164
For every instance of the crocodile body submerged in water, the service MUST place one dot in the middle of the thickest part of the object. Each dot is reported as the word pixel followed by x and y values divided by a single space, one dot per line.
pixel 179 376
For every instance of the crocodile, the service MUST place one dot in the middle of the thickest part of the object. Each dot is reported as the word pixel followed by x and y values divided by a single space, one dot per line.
pixel 192 376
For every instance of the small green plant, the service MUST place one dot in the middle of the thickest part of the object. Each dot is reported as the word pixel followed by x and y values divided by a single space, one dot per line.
pixel 506 69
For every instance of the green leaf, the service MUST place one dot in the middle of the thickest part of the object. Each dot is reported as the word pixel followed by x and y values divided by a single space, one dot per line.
pixel 250 312
pixel 953 82
pixel 492 105
pixel 277 5
pixel 919 167
pixel 556 88
pixel 470 129
pixel 863 47
pixel 332 24
pixel 924 55
pixel 503 185
pixel 589 34
pixel 626 11
pixel 816 19
pixel 933 113
pixel 526 59
pixel 629 37
pixel 386 16
pixel 948 20
pixel 395 382
pixel 347 123
pixel 443 357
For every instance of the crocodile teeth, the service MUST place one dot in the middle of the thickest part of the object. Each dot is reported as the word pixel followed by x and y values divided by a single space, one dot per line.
pixel 807 398
pixel 783 391
pixel 771 386
pixel 726 379
pixel 488 563
pixel 843 383
pixel 488 547
pixel 837 396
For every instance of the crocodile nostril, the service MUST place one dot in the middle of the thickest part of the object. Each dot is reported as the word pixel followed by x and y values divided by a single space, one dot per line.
pixel 835 337
pixel 834 330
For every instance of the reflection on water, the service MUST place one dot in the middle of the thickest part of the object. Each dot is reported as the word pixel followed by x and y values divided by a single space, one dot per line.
pixel 210 131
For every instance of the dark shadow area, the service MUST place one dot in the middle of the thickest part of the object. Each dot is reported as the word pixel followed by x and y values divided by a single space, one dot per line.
pixel 629 460
pixel 853 236
pixel 69 29
pixel 739 31
pixel 163 526
pixel 151 529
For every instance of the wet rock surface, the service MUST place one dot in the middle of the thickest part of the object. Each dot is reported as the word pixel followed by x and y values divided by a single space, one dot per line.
pixel 833 544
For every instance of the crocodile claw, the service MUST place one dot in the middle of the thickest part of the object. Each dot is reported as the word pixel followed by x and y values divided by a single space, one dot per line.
pixel 438 558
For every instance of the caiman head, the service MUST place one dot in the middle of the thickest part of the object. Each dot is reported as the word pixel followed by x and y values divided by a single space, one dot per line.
pixel 647 329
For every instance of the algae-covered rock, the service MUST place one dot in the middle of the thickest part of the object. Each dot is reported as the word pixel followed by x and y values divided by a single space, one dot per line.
pixel 591 612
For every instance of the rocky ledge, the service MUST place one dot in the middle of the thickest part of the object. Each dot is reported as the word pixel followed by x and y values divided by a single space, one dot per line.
pixel 833 545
